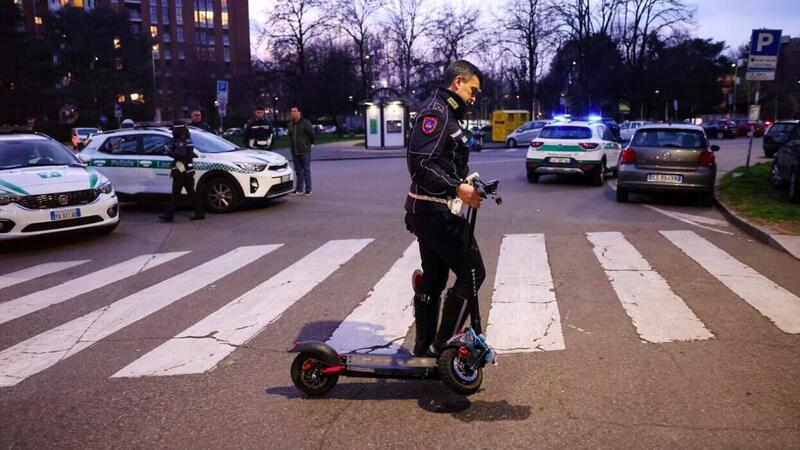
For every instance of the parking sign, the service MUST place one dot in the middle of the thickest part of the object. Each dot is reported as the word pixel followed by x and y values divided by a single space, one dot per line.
pixel 764 48
pixel 222 90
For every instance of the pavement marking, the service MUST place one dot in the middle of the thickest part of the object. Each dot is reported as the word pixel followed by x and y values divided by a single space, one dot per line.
pixel 22 306
pixel 524 314
pixel 688 218
pixel 34 272
pixel 47 349
pixel 658 314
pixel 772 301
pixel 202 346
pixel 379 324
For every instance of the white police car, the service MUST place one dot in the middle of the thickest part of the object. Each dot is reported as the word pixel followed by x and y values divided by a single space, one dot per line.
pixel 573 148
pixel 136 162
pixel 44 188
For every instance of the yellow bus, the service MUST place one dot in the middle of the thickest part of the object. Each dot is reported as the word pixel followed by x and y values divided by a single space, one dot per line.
pixel 504 121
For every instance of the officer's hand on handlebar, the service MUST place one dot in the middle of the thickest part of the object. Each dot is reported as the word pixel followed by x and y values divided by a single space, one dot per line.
pixel 469 195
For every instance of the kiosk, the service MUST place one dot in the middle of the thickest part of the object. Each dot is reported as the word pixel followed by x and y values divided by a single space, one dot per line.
pixel 386 120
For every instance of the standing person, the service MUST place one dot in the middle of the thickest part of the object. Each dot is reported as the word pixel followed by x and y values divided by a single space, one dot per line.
pixel 301 137
pixel 197 121
pixel 258 132
pixel 437 158
pixel 182 151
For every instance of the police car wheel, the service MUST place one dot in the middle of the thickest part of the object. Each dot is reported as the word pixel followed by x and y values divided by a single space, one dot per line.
pixel 221 196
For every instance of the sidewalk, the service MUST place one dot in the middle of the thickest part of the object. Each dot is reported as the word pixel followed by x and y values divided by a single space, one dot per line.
pixel 733 153
pixel 343 150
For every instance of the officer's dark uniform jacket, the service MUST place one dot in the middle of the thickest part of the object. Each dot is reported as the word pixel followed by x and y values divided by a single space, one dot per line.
pixel 437 155
pixel 258 129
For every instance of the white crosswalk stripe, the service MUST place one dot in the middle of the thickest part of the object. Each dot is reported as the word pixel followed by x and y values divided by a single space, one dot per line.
pixel 58 294
pixel 774 302
pixel 380 323
pixel 524 314
pixel 202 346
pixel 46 349
pixel 37 271
pixel 658 314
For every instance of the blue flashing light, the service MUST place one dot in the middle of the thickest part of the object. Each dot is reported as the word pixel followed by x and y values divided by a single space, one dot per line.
pixel 595 118
pixel 562 118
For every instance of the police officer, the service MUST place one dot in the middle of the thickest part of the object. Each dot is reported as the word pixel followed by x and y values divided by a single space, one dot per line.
pixel 437 158
pixel 182 151
pixel 258 132
pixel 197 121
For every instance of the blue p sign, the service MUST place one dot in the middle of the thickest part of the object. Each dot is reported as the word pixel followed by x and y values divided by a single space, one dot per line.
pixel 765 42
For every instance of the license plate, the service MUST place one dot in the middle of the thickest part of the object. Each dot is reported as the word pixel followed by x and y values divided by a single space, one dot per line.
pixel 663 178
pixel 65 214
pixel 285 178
pixel 560 160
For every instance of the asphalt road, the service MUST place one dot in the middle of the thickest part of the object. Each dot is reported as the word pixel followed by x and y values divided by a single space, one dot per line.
pixel 651 324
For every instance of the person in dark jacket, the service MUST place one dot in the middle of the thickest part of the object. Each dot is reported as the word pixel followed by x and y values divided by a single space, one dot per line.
pixel 258 131
pixel 437 158
pixel 182 151
pixel 197 121
pixel 301 138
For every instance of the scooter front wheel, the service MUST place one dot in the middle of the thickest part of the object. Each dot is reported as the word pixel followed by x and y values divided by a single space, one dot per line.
pixel 307 375
pixel 458 376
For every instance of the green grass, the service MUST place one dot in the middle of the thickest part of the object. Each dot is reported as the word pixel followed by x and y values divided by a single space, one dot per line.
pixel 751 194
pixel 283 141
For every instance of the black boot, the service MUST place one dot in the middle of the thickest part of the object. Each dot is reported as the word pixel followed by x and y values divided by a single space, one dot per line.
pixel 454 315
pixel 426 314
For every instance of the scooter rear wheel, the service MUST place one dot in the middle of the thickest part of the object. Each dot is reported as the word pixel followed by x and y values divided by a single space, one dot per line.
pixel 308 377
pixel 455 376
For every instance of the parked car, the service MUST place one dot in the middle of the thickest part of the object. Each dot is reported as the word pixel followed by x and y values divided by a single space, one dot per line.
pixel 525 133
pixel 743 127
pixel 226 175
pixel 612 125
pixel 79 136
pixel 474 141
pixel 573 148
pixel 786 165
pixel 627 129
pixel 777 135
pixel 233 132
pixel 44 189
pixel 720 129
pixel 668 159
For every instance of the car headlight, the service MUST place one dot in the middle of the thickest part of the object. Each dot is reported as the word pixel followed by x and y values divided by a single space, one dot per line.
pixel 104 188
pixel 5 199
pixel 252 167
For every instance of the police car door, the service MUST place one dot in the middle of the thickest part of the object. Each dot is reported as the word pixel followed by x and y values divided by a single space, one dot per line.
pixel 155 165
pixel 613 148
pixel 116 158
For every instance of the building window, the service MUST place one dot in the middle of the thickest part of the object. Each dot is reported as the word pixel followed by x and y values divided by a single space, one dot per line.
pixel 180 34
pixel 226 40
pixel 181 54
pixel 164 13
pixel 178 14
pixel 167 54
pixel 224 19
pixel 167 37
pixel 227 54
pixel 153 30
pixel 37 20
pixel 153 13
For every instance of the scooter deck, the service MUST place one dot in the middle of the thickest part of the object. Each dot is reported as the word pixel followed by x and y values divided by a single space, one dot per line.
pixel 389 366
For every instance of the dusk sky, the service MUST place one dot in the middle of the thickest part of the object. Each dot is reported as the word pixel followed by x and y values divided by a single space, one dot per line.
pixel 728 20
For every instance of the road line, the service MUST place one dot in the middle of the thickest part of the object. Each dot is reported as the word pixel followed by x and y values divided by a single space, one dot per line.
pixel 34 272
pixel 203 345
pixel 658 314
pixel 22 306
pixel 772 301
pixel 46 349
pixel 685 220
pixel 524 314
pixel 380 323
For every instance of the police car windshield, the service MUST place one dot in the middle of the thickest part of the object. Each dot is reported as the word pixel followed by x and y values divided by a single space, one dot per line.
pixel 210 143
pixel 34 152
pixel 566 132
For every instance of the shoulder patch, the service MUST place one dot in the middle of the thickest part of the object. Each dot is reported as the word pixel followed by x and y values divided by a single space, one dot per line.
pixel 429 124
pixel 452 103
pixel 438 107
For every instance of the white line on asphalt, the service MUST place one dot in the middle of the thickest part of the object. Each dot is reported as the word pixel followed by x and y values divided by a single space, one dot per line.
pixel 524 314
pixel 774 302
pixel 682 218
pixel 47 349
pixel 380 323
pixel 40 270
pixel 203 345
pixel 658 314
pixel 57 294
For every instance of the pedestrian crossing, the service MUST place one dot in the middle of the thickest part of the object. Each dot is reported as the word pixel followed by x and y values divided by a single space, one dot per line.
pixel 523 313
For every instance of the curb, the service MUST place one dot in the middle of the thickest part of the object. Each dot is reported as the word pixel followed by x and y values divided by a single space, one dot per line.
pixel 759 233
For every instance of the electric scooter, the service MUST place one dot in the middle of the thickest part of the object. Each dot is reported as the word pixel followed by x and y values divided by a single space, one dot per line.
pixel 317 367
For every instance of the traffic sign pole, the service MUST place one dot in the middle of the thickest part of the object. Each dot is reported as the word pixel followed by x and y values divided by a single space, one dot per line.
pixel 765 46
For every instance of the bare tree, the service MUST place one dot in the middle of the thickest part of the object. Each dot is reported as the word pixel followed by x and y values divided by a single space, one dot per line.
pixel 353 18
pixel 406 24
pixel 455 32
pixel 642 18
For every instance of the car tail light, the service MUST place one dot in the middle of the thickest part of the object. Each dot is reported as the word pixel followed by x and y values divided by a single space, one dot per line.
pixel 628 156
pixel 706 158
pixel 588 145
pixel 536 144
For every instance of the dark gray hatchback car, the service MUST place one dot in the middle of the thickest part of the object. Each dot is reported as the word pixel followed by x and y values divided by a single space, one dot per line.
pixel 668 159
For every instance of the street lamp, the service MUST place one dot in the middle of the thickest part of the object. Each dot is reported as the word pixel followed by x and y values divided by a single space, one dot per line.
pixel 735 84
pixel 153 52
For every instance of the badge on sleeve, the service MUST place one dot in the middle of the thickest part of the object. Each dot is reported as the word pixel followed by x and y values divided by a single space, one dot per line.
pixel 429 124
